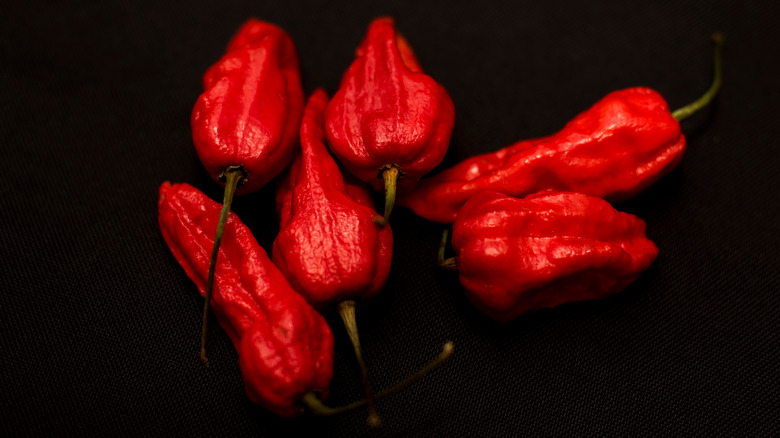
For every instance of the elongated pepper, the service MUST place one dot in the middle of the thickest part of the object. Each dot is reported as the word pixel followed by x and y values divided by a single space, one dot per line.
pixel 614 150
pixel 284 345
pixel 244 125
pixel 388 118
pixel 520 255
pixel 330 246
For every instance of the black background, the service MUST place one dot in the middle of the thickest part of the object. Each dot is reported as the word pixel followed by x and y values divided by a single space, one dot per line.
pixel 100 327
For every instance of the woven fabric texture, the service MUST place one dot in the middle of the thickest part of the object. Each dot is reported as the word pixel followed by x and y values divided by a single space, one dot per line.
pixel 100 327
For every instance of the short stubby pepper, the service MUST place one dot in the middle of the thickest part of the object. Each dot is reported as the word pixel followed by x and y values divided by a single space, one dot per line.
pixel 245 124
pixel 249 113
pixel 285 346
pixel 329 244
pixel 614 150
pixel 520 255
pixel 388 118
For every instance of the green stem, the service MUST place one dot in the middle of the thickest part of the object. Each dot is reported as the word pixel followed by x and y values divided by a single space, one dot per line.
pixel 450 263
pixel 446 352
pixel 688 110
pixel 390 173
pixel 316 406
pixel 346 310
pixel 234 176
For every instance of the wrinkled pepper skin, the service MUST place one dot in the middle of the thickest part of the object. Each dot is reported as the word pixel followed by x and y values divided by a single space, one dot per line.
pixel 614 150
pixel 519 255
pixel 329 245
pixel 250 110
pixel 387 111
pixel 284 345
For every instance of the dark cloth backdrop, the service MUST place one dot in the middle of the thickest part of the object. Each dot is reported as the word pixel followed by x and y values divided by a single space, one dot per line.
pixel 99 326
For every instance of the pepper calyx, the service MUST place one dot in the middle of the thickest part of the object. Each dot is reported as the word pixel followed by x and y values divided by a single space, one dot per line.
pixel 450 263
pixel 242 178
pixel 390 173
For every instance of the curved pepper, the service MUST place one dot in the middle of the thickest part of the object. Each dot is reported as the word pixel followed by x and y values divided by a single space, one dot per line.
pixel 330 245
pixel 519 255
pixel 388 117
pixel 614 150
pixel 245 124
pixel 284 345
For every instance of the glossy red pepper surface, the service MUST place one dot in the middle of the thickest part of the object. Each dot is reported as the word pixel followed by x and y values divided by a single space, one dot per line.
pixel 387 111
pixel 614 150
pixel 329 245
pixel 519 255
pixel 284 345
pixel 250 110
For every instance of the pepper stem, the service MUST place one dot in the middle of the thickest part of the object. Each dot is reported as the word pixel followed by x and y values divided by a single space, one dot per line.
pixel 315 405
pixel 390 173
pixel 346 310
pixel 450 263
pixel 688 110
pixel 233 177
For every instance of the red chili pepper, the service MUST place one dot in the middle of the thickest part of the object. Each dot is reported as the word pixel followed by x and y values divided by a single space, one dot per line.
pixel 244 125
pixel 285 347
pixel 615 149
pixel 250 110
pixel 330 246
pixel 519 255
pixel 388 117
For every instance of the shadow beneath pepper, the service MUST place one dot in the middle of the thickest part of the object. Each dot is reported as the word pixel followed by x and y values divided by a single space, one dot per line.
pixel 655 200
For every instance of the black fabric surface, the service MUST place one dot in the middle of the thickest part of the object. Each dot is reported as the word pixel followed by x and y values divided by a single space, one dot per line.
pixel 100 327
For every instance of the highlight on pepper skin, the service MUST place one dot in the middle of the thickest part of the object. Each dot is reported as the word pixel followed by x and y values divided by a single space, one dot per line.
pixel 520 255
pixel 245 123
pixel 330 246
pixel 616 149
pixel 388 117
pixel 251 301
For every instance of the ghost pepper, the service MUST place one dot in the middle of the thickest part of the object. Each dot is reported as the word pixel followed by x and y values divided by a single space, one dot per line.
pixel 388 117
pixel 244 125
pixel 616 149
pixel 284 345
pixel 329 246
pixel 251 107
pixel 520 255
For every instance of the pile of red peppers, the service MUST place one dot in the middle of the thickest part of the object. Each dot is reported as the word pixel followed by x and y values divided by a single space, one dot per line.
pixel 532 226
